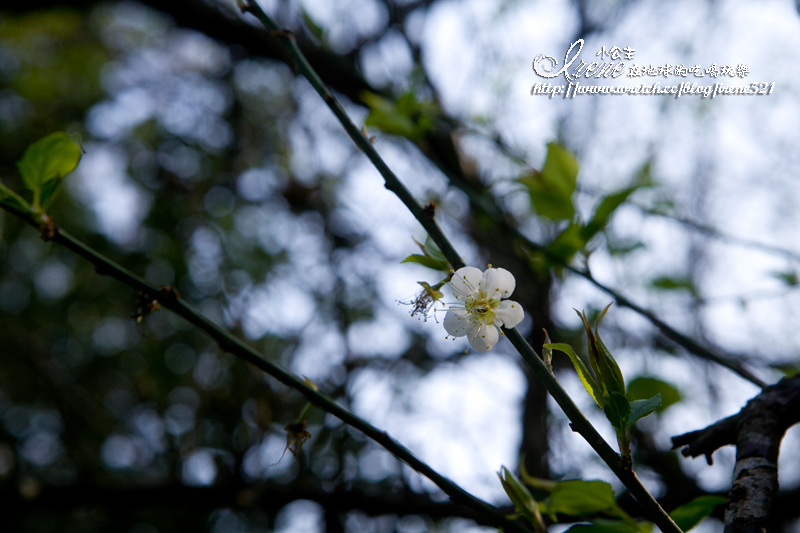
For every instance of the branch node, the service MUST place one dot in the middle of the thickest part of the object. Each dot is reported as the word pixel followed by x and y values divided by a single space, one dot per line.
pixel 429 211
pixel 283 34
pixel 145 305
pixel 168 291
pixel 47 228
pixel 244 6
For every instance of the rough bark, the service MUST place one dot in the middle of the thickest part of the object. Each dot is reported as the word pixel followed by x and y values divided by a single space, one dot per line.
pixel 757 431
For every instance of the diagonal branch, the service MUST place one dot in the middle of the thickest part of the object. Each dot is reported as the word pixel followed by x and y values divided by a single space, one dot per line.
pixel 725 237
pixel 426 217
pixel 269 497
pixel 169 298
pixel 490 207
pixel 341 74
pixel 757 431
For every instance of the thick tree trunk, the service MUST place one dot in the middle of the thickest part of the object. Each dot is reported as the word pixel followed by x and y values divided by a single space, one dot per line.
pixel 757 431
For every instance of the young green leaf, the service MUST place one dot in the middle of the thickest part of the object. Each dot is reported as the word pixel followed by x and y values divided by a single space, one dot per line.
pixel 48 192
pixel 589 383
pixel 427 261
pixel 49 159
pixel 432 250
pixel 551 189
pixel 645 387
pixel 405 117
pixel 561 166
pixel 689 515
pixel 789 277
pixel 522 499
pixel 609 370
pixel 578 497
pixel 618 412
pixel 604 210
pixel 313 28
pixel 642 408
pixel 592 349
pixel 568 243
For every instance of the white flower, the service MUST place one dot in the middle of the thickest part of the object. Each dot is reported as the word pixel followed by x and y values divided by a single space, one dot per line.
pixel 484 309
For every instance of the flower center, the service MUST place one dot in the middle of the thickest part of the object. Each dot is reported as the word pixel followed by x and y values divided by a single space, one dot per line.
pixel 481 307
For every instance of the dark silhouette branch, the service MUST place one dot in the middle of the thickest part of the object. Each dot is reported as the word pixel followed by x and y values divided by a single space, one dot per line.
pixel 269 497
pixel 757 431
pixel 341 74
pixel 425 216
pixel 167 297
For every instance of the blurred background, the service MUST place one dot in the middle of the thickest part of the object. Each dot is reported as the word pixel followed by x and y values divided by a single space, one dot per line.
pixel 211 166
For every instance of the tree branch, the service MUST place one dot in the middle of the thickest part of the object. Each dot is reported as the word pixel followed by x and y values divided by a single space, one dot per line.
pixel 341 74
pixel 425 216
pixel 269 497
pixel 169 298
pixel 757 431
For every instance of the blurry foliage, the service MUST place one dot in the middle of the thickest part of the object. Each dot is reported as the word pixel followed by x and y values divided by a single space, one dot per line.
pixel 644 387
pixel 198 139
pixel 405 117
pixel 90 398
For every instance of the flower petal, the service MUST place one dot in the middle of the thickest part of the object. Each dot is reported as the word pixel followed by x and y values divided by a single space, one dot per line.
pixel 498 283
pixel 465 282
pixel 456 322
pixel 509 313
pixel 483 338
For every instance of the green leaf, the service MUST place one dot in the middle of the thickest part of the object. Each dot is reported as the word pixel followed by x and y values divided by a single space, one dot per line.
pixel 689 515
pixel 611 375
pixel 313 28
pixel 428 262
pixel 568 243
pixel 551 189
pixel 48 159
pixel 618 411
pixel 788 277
pixel 642 408
pixel 433 251
pixel 604 210
pixel 788 370
pixel 48 192
pixel 668 283
pixel 433 292
pixel 592 349
pixel 522 499
pixel 405 117
pixel 561 165
pixel 601 525
pixel 578 497
pixel 589 383
pixel 644 387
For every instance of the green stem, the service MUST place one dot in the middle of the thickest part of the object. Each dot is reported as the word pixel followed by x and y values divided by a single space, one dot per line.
pixel 170 299
pixel 305 413
pixel 423 214
pixel 5 190
pixel 425 217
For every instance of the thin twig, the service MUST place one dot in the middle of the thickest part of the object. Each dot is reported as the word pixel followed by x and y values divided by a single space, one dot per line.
pixel 717 234
pixel 169 298
pixel 425 216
